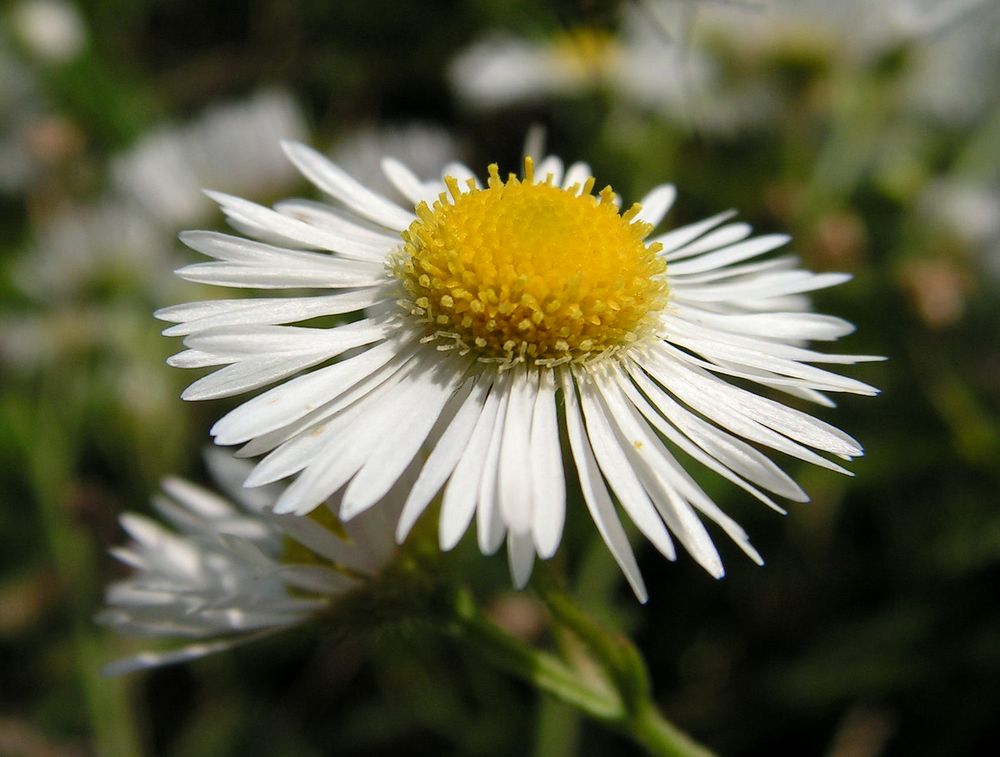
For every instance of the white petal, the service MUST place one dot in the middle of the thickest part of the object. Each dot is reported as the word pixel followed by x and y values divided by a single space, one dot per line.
pixel 277 277
pixel 811 326
pixel 373 242
pixel 490 525
pixel 673 241
pixel 254 216
pixel 462 492
pixel 728 406
pixel 649 460
pixel 550 166
pixel 455 439
pixel 576 175
pixel 409 185
pixel 270 311
pixel 656 204
pixel 291 448
pixel 726 455
pixel 547 474
pixel 297 398
pixel 595 493
pixel 393 453
pixel 729 255
pixel 620 474
pixel 253 341
pixel 334 181
pixel 147 660
pixel 769 285
pixel 514 465
pixel 521 557
pixel 325 543
pixel 343 445
pixel 743 272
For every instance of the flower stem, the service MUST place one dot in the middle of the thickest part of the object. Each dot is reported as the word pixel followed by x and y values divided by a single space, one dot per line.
pixel 625 667
pixel 623 702
pixel 543 670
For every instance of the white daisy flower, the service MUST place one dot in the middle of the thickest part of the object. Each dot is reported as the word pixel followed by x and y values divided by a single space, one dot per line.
pixel 505 337
pixel 230 570
pixel 950 72
pixel 636 62
pixel 646 63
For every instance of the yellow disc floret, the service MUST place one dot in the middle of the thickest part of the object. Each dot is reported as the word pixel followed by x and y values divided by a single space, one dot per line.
pixel 526 271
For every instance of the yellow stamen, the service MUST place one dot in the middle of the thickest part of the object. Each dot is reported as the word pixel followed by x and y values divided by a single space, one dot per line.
pixel 526 271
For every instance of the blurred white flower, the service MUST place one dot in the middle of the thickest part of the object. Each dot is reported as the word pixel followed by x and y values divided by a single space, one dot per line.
pixel 230 148
pixel 970 210
pixel 647 63
pixel 227 570
pixel 52 30
pixel 78 248
pixel 636 62
pixel 88 272
pixel 953 65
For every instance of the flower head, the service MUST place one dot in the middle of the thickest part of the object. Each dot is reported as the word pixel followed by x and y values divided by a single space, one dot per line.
pixel 503 336
pixel 636 62
pixel 230 570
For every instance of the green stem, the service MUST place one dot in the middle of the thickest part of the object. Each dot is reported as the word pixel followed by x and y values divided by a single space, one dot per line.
pixel 544 671
pixel 661 737
pixel 625 706
pixel 626 669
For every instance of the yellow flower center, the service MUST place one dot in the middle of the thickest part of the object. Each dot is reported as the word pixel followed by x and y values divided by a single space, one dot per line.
pixel 530 272
pixel 586 50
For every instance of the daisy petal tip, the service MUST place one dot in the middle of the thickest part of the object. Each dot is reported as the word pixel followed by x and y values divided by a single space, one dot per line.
pixel 389 164
pixel 220 198
pixel 353 505
pixel 190 236
pixel 547 551
pixel 292 147
pixel 450 533
pixel 283 508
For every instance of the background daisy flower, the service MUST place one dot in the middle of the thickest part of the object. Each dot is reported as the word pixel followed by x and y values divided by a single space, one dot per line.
pixel 227 570
pixel 505 335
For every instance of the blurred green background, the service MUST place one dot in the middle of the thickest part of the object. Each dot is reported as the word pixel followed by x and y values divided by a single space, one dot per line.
pixel 869 131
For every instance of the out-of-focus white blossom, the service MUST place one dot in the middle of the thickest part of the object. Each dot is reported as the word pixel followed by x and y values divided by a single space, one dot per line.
pixel 971 211
pixel 231 148
pixel 78 248
pixel 52 30
pixel 84 273
pixel 952 67
pixel 228 570
pixel 647 63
